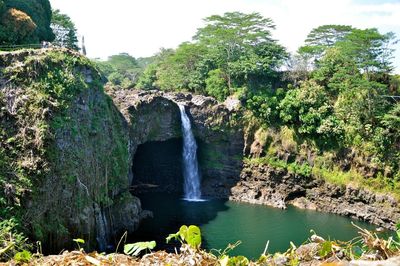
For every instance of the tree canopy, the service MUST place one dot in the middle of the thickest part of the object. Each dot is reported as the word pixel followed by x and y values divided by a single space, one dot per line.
pixel 230 52
pixel 64 30
pixel 121 69
pixel 238 44
pixel 371 50
pixel 25 22
pixel 323 37
pixel 19 27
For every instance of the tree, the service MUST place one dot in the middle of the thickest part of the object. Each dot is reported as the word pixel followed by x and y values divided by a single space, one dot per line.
pixel 25 22
pixel 264 104
pixel 359 108
pixel 309 108
pixel 391 121
pixel 182 70
pixel 258 67
pixel 234 51
pixel 19 27
pixel 232 40
pixel 298 69
pixel 216 85
pixel 336 71
pixel 148 79
pixel 121 69
pixel 322 38
pixel 370 49
pixel 64 30
pixel 40 12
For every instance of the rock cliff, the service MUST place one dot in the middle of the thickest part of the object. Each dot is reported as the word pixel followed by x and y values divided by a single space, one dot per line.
pixel 262 184
pixel 64 150
pixel 153 117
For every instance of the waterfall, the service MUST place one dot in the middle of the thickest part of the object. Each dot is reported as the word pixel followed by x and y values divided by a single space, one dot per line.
pixel 190 166
pixel 101 228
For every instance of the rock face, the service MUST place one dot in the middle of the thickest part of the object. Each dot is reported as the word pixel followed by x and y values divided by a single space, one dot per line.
pixel 262 184
pixel 154 121
pixel 64 150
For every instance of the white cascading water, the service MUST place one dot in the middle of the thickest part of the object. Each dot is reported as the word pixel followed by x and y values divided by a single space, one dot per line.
pixel 190 166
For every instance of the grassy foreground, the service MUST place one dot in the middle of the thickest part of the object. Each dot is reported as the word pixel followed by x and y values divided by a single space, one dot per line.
pixel 369 246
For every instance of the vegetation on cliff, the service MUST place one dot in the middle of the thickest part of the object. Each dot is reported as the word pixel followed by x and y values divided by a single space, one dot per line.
pixel 54 117
pixel 35 95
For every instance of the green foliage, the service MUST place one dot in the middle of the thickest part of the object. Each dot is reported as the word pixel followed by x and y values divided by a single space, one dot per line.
pixel 37 11
pixel 303 169
pixel 232 51
pixel 325 249
pixel 78 242
pixel 51 82
pixel 398 231
pixel 225 260
pixel 64 30
pixel 216 85
pixel 135 248
pixel 370 49
pixel 308 108
pixel 182 70
pixel 323 37
pixel 187 234
pixel 121 70
pixel 241 46
pixel 264 104
pixel 147 80
pixel 23 256
pixel 12 240
pixel 391 121
pixel 18 28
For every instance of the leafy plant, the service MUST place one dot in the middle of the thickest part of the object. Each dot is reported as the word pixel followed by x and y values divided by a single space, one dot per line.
pixel 326 249
pixel 135 248
pixel 187 234
pixel 11 239
pixel 233 261
pixel 79 241
pixel 23 256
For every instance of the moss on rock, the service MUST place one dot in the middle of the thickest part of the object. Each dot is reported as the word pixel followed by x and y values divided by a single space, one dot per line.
pixel 64 146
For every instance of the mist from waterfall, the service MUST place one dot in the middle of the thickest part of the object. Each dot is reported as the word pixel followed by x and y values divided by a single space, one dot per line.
pixel 190 165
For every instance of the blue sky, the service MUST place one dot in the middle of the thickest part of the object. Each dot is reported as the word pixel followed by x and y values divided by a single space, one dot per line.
pixel 141 28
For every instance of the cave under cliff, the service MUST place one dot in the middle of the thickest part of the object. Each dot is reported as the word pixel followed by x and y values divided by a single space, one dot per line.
pixel 157 166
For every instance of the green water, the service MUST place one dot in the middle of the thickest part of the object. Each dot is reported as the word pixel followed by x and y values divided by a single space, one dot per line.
pixel 224 222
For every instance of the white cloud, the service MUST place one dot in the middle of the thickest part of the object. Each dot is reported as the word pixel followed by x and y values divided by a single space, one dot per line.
pixel 142 27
